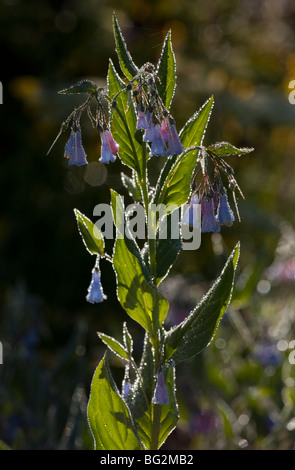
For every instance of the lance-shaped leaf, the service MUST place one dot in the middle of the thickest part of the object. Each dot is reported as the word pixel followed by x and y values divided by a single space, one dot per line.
pixel 127 65
pixel 166 72
pixel 84 86
pixel 192 335
pixel 136 293
pixel 168 248
pixel 168 245
pixel 115 346
pixel 176 187
pixel 109 418
pixel 124 122
pixel 224 149
pixel 139 400
pixel 132 186
pixel 91 235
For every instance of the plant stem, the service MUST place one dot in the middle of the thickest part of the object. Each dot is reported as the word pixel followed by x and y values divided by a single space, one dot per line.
pixel 149 215
pixel 156 426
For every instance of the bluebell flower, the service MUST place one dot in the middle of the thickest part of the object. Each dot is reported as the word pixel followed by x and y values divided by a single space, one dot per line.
pixel 149 130
pixel 95 292
pixel 126 388
pixel 74 150
pixel 225 215
pixel 191 216
pixel 157 142
pixel 171 137
pixel 143 119
pixel 161 396
pixel 109 147
pixel 141 122
pixel 209 222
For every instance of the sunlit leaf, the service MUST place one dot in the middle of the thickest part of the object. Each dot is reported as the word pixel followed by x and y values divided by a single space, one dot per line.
pixel 90 234
pixel 139 400
pixel 126 63
pixel 166 72
pixel 192 335
pixel 176 187
pixel 84 86
pixel 109 418
pixel 130 150
pixel 224 149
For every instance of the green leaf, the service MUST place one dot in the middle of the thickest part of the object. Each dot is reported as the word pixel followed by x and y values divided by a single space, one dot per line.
pixel 166 70
pixel 126 63
pixel 176 187
pixel 121 227
pixel 114 345
pixel 124 122
pixel 138 297
pixel 192 335
pixel 132 187
pixel 91 235
pixel 109 418
pixel 127 339
pixel 84 86
pixel 139 400
pixel 193 131
pixel 135 291
pixel 224 149
pixel 168 248
pixel 167 252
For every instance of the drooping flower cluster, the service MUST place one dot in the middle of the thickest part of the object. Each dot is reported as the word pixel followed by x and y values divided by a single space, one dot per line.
pixel 74 150
pixel 215 212
pixel 215 207
pixel 152 116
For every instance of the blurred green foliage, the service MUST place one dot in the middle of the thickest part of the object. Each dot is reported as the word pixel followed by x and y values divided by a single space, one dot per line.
pixel 238 393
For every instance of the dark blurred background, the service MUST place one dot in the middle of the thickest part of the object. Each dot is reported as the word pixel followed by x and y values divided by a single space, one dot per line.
pixel 239 392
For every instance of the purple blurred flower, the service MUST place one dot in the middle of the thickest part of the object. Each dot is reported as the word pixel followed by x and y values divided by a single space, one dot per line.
pixel 74 150
pixel 161 396
pixel 204 422
pixel 225 215
pixel 95 292
pixel 268 354
pixel 109 147
pixel 209 222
